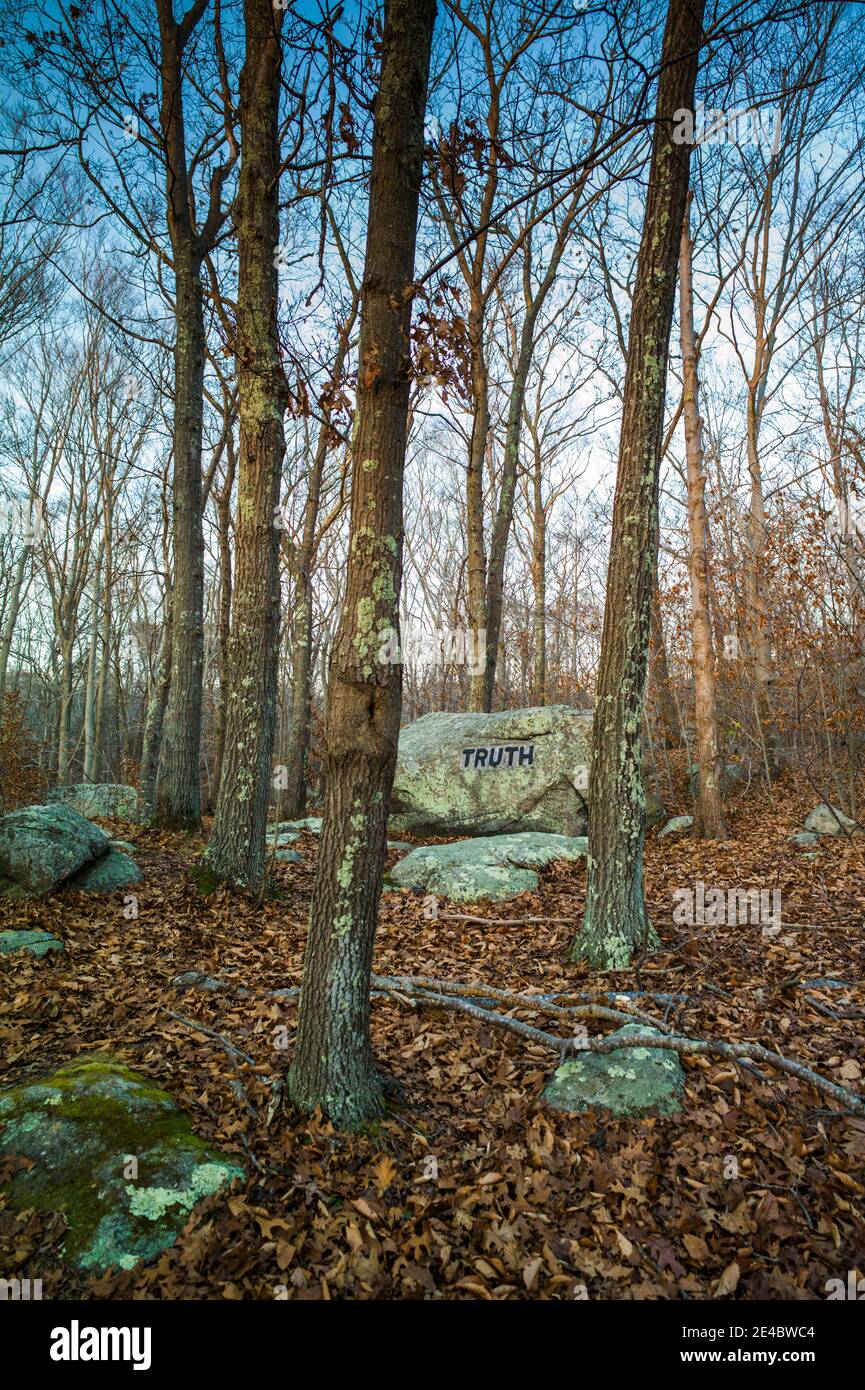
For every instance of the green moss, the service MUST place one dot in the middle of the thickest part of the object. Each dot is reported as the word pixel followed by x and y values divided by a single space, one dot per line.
pixel 205 878
pixel 80 1127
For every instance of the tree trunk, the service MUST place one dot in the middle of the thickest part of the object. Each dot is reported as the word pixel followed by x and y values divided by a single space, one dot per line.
pixel 709 817
pixel 477 557
pixel 225 594
pixel 659 675
pixel 236 852
pixel 178 792
pixel 539 584
pixel 154 721
pixel 615 926
pixel 333 1062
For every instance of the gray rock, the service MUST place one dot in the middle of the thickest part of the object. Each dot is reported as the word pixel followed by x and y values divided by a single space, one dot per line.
pixel 675 824
pixel 540 761
pixel 124 845
pixel 823 820
pixel 108 800
pixel 311 823
pixel 631 1081
pixel 402 846
pixel 281 838
pixel 490 869
pixel 38 943
pixel 804 837
pixel 114 1154
pixel 41 846
pixel 288 856
pixel 115 870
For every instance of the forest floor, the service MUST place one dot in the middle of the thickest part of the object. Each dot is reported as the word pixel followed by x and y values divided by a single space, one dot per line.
pixel 529 1203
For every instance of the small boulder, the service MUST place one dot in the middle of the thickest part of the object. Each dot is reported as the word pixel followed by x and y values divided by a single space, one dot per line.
pixel 675 824
pixel 41 846
pixel 38 943
pixel 804 837
pixel 115 870
pixel 114 1154
pixel 631 1081
pixel 492 868
pixel 311 823
pixel 288 856
pixel 824 820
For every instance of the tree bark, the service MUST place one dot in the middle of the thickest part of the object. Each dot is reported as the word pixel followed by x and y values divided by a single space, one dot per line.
pixel 333 1061
pixel 236 851
pixel 709 817
pixel 616 926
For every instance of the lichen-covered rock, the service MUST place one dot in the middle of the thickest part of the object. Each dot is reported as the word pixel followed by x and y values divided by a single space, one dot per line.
pixel 38 943
pixel 282 838
pixel 41 846
pixel 631 1081
pixel 804 837
pixel 675 824
pixel 402 846
pixel 114 1154
pixel 108 800
pixel 490 869
pixel 827 820
pixel 487 774
pixel 288 856
pixel 115 870
pixel 311 823
pixel 491 774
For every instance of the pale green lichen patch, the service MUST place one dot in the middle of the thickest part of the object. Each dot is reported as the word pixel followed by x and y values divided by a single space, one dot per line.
pixel 632 1081
pixel 81 1128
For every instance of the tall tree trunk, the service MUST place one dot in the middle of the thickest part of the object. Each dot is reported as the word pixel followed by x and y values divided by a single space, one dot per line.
pixel 616 926
pixel 759 645
pixel 539 582
pixel 236 852
pixel 90 679
pixel 709 818
pixel 333 1062
pixel 225 594
pixel 476 545
pixel 178 792
pixel 11 615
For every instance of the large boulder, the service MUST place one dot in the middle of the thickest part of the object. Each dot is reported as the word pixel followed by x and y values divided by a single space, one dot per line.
pixel 630 1081
pixel 41 846
pixel 487 774
pixel 107 800
pixel 38 943
pixel 114 1154
pixel 489 869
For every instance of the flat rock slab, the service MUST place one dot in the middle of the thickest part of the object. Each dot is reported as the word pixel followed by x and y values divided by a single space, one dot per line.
pixel 114 1154
pixel 804 837
pixel 493 868
pixel 282 838
pixel 828 820
pixel 38 943
pixel 111 800
pixel 115 870
pixel 631 1081
pixel 41 846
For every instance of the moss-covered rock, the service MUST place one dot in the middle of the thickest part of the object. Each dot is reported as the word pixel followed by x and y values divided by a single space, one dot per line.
pixel 38 943
pixel 42 846
pixel 115 870
pixel 489 869
pixel 631 1081
pixel 114 1154
pixel 311 823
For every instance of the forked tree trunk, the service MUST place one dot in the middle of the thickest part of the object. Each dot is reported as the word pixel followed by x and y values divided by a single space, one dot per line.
pixel 236 851
pixel 709 817
pixel 616 926
pixel 333 1061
